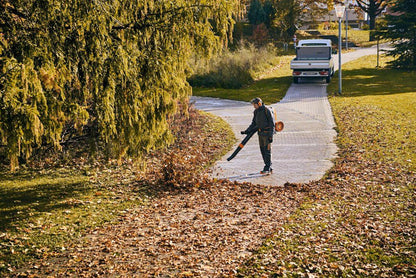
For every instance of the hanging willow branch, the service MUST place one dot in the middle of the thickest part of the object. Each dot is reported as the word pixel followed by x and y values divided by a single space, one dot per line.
pixel 77 63
pixel 160 18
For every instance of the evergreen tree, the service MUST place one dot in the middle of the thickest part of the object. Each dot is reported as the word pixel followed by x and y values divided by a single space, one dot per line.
pixel 116 68
pixel 269 12
pixel 400 28
pixel 256 14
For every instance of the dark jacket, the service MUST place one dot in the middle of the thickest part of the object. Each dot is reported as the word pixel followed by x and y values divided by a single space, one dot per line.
pixel 261 122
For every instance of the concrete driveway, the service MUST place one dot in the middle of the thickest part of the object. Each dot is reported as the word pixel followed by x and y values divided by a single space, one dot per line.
pixel 302 152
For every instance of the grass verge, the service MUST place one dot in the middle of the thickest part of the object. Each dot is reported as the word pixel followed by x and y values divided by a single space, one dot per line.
pixel 378 111
pixel 359 220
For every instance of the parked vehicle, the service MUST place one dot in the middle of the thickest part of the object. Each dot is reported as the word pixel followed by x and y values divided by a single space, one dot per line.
pixel 313 59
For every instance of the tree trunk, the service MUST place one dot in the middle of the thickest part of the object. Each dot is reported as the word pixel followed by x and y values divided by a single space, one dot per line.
pixel 372 13
pixel 372 27
pixel 372 22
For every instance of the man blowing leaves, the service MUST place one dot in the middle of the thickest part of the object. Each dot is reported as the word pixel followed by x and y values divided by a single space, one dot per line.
pixel 263 123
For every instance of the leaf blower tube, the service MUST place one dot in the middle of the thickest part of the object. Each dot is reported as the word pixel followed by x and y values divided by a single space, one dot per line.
pixel 242 144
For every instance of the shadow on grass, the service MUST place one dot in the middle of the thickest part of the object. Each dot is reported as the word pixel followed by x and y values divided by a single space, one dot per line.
pixel 23 197
pixel 364 82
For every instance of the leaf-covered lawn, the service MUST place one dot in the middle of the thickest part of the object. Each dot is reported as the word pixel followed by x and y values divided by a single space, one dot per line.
pixel 46 208
pixel 205 231
pixel 360 220
pixel 182 223
pixel 377 111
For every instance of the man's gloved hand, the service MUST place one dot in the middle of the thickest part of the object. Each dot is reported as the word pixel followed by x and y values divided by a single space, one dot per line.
pixel 244 132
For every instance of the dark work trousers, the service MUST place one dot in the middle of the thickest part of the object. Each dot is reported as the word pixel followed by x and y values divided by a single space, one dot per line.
pixel 266 151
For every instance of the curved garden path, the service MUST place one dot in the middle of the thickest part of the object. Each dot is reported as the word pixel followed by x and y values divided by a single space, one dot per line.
pixel 302 152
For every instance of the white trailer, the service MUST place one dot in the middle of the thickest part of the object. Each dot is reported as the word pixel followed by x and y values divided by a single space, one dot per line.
pixel 313 59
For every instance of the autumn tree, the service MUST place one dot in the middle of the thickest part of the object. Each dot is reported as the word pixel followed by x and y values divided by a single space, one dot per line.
pixel 373 8
pixel 285 17
pixel 112 69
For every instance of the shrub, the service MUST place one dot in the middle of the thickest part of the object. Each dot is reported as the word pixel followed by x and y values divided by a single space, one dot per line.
pixel 260 34
pixel 232 70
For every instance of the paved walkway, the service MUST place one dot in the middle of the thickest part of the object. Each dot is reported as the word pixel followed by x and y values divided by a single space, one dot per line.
pixel 347 57
pixel 302 152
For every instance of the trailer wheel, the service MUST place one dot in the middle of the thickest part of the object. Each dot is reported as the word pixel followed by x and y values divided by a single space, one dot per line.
pixel 296 80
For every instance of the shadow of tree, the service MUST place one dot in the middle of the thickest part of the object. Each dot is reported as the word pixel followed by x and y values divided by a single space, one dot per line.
pixel 23 197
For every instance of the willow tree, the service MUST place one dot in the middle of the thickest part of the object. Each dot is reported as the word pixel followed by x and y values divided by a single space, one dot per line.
pixel 116 68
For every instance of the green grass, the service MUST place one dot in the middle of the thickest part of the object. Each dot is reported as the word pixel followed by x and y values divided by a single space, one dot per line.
pixel 379 109
pixel 271 87
pixel 359 37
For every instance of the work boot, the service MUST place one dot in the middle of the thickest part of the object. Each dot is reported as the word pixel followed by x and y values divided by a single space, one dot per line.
pixel 266 170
